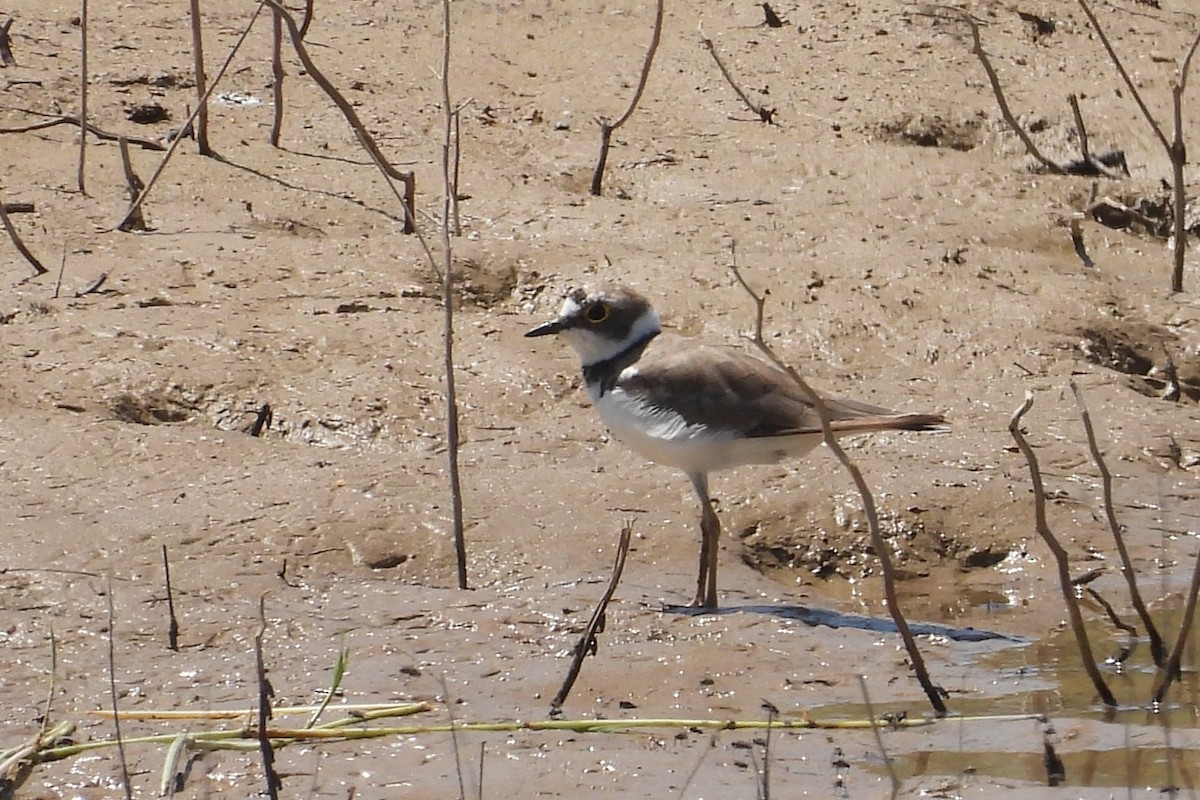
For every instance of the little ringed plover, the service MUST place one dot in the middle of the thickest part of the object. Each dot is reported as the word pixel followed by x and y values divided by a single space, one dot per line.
pixel 697 407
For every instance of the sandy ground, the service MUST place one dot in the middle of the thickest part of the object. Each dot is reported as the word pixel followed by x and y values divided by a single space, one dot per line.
pixel 913 259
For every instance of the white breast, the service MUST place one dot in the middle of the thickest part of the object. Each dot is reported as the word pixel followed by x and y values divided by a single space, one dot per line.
pixel 664 437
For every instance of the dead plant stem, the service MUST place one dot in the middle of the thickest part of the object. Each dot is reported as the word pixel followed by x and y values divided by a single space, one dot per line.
pixel 882 552
pixel 1171 671
pixel 201 115
pixel 606 127
pixel 1157 650
pixel 356 124
pixel 448 190
pixel 141 198
pixel 38 269
pixel 1060 555
pixel 277 75
pixel 83 95
pixel 112 688
pixel 265 693
pixel 587 642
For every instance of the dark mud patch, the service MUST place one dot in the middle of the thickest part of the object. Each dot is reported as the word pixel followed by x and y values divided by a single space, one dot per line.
pixel 933 130
pixel 787 546
pixel 1152 355
pixel 156 407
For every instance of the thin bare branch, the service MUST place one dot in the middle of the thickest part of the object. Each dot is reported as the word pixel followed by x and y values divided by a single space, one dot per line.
pixel 764 114
pixel 83 95
pixel 20 245
pixel 201 115
pixel 1157 650
pixel 882 550
pixel 112 689
pixel 265 694
pixel 587 642
pixel 141 198
pixel 172 620
pixel 308 18
pixel 448 190
pixel 356 124
pixel 607 128
pixel 145 144
pixel 277 74
pixel 1060 555
pixel 1171 671
pixel 6 55
pixel 997 90
pixel 1137 96
pixel 135 221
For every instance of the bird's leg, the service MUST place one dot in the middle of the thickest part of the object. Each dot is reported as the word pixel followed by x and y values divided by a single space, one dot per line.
pixel 710 537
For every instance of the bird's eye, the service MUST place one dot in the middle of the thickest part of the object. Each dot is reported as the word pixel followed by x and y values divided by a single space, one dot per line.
pixel 597 313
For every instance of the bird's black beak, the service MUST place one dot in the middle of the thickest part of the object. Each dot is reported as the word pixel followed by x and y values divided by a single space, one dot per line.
pixel 546 328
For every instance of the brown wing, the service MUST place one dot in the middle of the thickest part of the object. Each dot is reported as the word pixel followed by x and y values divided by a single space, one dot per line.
pixel 705 382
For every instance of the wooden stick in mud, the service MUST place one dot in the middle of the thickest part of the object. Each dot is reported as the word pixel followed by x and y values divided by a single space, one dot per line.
pixel 201 92
pixel 277 75
pixel 112 689
pixel 134 221
pixel 1171 671
pixel 449 191
pixel 1175 149
pixel 408 179
pixel 83 94
pixel 1060 555
pixel 6 55
pixel 141 198
pixel 265 693
pixel 145 144
pixel 607 128
pixel 20 245
pixel 765 114
pixel 935 693
pixel 172 620
pixel 587 642
pixel 1157 650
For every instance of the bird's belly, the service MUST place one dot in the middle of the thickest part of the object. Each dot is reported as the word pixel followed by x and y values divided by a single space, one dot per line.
pixel 665 437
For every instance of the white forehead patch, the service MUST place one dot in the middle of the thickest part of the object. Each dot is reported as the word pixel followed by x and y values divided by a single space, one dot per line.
pixel 569 308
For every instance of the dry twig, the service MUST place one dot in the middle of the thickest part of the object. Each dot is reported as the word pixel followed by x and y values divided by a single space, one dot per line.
pixel 141 198
pixel 997 90
pixel 145 144
pixel 265 693
pixel 277 74
pixel 20 245
pixel 606 127
pixel 448 190
pixel 1060 555
pixel 83 93
pixel 112 689
pixel 1157 650
pixel 6 56
pixel 1175 148
pixel 134 221
pixel 360 130
pixel 201 115
pixel 587 642
pixel 882 551
pixel 172 620
pixel 1171 671
pixel 764 114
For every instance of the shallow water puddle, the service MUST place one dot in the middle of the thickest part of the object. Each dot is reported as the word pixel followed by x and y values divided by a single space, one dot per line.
pixel 1131 746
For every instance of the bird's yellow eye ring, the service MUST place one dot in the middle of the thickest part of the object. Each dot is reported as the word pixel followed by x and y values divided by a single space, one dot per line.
pixel 597 313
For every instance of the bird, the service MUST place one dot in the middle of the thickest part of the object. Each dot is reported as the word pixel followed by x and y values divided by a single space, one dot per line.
pixel 697 407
